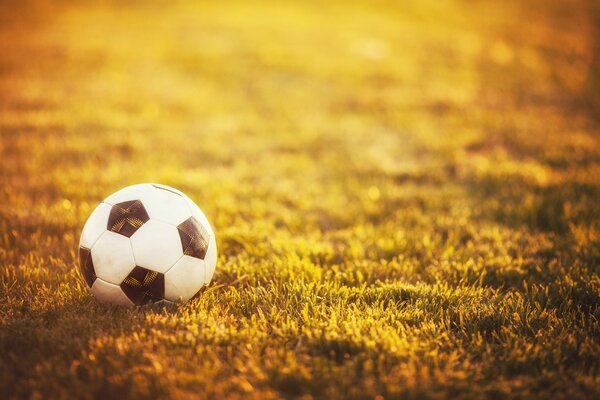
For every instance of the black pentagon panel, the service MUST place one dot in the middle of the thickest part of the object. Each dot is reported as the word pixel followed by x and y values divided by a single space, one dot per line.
pixel 194 238
pixel 127 217
pixel 143 286
pixel 86 266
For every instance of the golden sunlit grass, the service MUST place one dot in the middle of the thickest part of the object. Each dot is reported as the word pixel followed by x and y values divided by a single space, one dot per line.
pixel 405 196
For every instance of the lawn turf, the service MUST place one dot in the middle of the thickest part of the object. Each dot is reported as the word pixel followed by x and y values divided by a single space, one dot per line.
pixel 406 196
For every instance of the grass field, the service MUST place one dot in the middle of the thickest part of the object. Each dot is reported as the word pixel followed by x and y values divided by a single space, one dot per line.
pixel 406 196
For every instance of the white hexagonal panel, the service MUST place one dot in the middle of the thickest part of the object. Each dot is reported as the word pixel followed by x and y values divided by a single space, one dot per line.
pixel 112 257
pixel 156 246
pixel 108 293
pixel 210 259
pixel 184 279
pixel 129 193
pixel 165 204
pixel 169 188
pixel 199 215
pixel 94 226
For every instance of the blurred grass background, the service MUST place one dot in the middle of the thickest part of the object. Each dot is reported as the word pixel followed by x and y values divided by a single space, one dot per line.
pixel 405 196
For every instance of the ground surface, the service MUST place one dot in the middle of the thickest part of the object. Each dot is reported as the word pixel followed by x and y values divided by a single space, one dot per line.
pixel 406 196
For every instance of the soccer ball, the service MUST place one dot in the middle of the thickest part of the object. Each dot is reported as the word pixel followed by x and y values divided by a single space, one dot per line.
pixel 147 243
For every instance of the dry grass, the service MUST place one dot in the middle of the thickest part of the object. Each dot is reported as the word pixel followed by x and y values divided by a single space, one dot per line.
pixel 406 197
